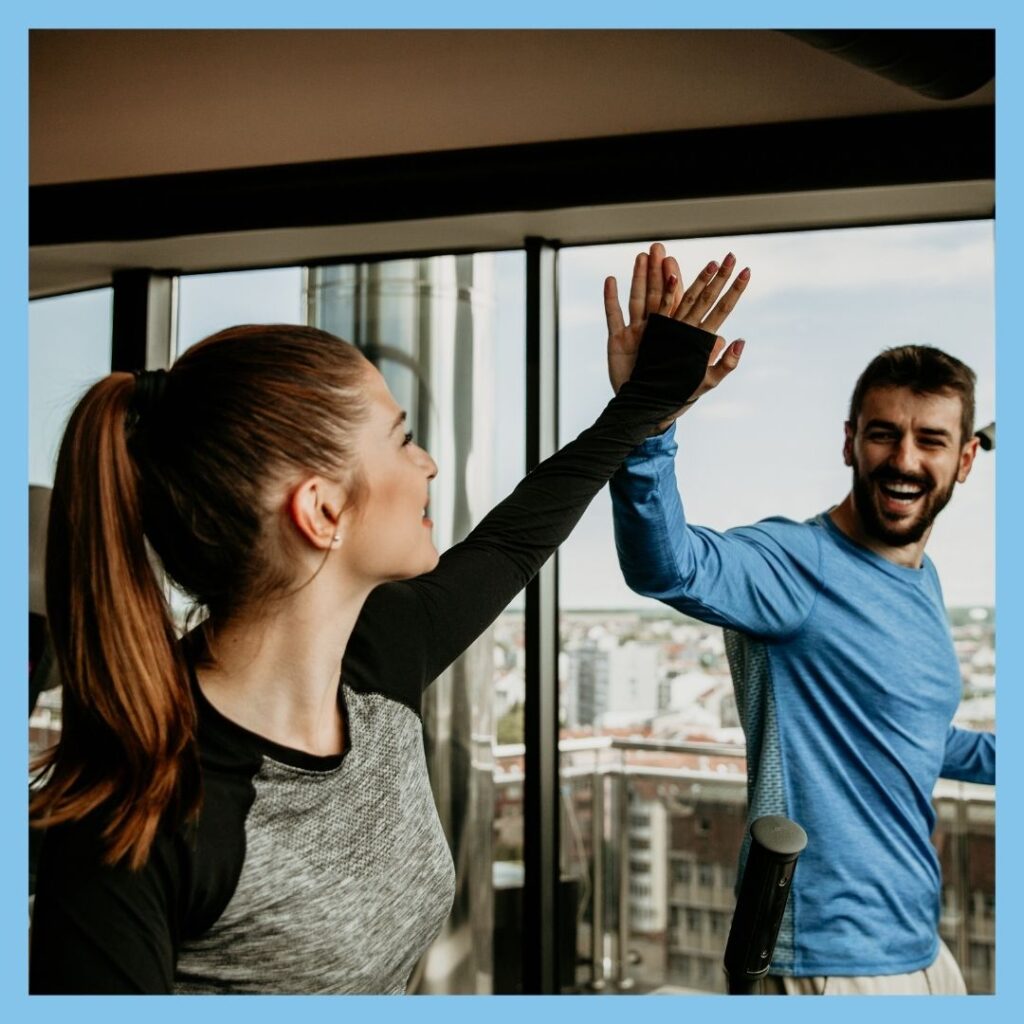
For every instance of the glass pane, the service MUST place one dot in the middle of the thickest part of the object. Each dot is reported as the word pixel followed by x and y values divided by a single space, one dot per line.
pixel 645 693
pixel 208 303
pixel 69 350
pixel 447 334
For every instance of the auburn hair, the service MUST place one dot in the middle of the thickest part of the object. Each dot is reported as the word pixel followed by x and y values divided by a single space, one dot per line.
pixel 181 470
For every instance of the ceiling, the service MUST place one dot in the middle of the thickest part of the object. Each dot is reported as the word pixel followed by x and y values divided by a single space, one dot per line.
pixel 128 105
pixel 122 103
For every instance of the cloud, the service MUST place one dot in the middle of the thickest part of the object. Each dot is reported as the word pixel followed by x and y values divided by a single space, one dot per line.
pixel 955 256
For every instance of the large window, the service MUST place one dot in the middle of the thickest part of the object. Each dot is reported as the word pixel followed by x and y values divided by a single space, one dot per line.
pixel 650 730
pixel 652 796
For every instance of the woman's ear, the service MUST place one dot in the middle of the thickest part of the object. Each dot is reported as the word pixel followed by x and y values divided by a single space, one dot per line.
pixel 314 509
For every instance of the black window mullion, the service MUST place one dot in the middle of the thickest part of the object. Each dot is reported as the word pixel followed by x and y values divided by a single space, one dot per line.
pixel 541 924
pixel 143 320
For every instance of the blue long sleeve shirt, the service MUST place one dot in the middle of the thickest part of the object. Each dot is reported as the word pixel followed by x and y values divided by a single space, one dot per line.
pixel 847 682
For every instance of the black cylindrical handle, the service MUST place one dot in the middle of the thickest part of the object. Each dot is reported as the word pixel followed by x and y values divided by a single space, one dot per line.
pixel 775 845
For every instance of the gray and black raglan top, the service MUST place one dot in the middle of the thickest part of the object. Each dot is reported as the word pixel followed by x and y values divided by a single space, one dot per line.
pixel 332 874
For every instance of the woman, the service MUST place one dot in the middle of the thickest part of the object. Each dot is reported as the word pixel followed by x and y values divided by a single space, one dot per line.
pixel 225 813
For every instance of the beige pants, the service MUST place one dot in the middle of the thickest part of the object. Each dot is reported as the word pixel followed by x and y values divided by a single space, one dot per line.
pixel 942 978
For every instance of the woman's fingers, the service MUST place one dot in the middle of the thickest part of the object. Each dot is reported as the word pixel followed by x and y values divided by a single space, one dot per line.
pixel 656 287
pixel 727 303
pixel 706 298
pixel 700 282
pixel 612 309
pixel 729 361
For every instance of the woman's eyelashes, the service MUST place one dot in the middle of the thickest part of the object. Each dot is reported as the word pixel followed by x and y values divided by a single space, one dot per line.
pixel 407 439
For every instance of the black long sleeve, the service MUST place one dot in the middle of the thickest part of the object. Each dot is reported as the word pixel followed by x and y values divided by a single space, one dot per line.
pixel 430 620
pixel 98 929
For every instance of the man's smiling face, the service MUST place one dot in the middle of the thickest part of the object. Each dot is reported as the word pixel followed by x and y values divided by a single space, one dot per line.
pixel 907 455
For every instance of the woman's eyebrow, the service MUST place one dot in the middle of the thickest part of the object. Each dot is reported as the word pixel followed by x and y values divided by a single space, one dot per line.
pixel 400 419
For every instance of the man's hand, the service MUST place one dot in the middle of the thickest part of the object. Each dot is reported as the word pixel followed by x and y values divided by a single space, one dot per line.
pixel 657 288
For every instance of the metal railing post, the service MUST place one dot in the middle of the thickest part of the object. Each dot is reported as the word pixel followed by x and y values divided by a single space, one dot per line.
pixel 963 945
pixel 597 979
pixel 622 978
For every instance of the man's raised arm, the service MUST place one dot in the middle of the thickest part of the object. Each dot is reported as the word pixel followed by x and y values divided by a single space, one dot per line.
pixel 760 578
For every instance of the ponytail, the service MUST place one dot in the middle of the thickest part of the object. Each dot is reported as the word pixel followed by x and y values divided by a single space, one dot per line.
pixel 182 460
pixel 127 749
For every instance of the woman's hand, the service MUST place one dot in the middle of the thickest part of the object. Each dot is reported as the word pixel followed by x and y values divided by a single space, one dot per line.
pixel 657 288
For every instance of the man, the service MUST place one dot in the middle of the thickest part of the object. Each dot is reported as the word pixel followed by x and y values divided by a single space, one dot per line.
pixel 845 673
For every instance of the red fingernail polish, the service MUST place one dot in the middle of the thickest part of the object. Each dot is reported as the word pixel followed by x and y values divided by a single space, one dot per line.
pixel 739 347
pixel 729 258
pixel 711 267
pixel 744 273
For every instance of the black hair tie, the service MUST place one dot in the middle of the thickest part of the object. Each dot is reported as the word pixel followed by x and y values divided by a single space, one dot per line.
pixel 149 390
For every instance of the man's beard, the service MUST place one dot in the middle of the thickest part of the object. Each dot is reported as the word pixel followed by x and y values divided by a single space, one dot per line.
pixel 897 532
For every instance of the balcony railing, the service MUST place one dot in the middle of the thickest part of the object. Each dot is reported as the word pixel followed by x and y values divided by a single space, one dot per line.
pixel 609 779
pixel 616 789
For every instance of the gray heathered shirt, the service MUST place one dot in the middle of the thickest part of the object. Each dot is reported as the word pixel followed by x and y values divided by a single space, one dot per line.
pixel 347 877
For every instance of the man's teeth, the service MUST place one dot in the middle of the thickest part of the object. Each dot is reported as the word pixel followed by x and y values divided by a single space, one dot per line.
pixel 902 492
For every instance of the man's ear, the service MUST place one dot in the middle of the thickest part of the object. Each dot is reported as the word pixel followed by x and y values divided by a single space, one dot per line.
pixel 967 454
pixel 314 509
pixel 848 443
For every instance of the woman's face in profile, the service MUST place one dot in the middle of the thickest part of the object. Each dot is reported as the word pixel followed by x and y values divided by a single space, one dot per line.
pixel 390 536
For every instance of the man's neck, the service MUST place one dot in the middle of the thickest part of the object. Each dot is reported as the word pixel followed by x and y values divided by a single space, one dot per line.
pixel 847 519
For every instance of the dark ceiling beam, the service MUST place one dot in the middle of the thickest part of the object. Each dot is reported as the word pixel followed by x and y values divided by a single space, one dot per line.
pixel 942 64
pixel 859 152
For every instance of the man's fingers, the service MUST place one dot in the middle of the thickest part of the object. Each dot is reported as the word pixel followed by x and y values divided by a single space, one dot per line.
pixel 654 277
pixel 727 303
pixel 668 298
pixel 612 309
pixel 638 290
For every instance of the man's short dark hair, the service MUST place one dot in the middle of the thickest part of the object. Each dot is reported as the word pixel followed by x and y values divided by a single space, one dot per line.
pixel 926 371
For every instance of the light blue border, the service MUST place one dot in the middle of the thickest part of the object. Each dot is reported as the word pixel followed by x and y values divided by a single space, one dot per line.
pixel 522 14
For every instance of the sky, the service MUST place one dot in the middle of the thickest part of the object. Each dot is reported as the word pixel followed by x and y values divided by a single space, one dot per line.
pixel 819 306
